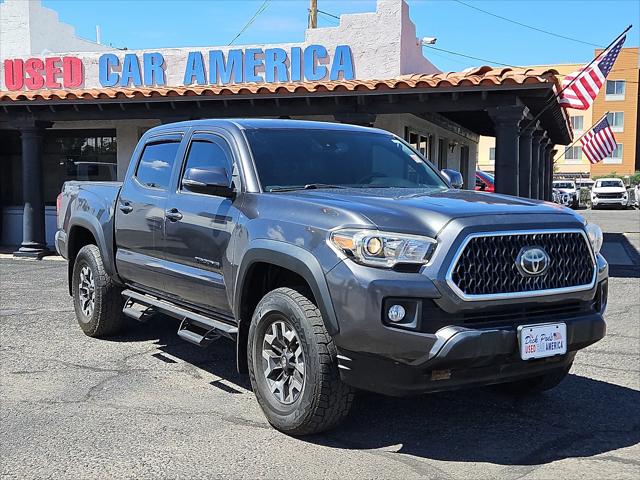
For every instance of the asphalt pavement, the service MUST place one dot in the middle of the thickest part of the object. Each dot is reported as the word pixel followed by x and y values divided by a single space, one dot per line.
pixel 148 405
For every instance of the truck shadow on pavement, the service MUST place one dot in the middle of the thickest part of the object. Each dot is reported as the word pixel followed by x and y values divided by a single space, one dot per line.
pixel 622 256
pixel 580 418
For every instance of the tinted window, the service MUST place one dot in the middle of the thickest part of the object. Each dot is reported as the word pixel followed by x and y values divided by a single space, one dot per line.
pixel 204 154
pixel 154 169
pixel 297 157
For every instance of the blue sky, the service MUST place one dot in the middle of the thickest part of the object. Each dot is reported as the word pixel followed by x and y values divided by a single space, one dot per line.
pixel 172 23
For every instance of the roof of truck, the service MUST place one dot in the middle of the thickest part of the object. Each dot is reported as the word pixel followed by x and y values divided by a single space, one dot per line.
pixel 253 123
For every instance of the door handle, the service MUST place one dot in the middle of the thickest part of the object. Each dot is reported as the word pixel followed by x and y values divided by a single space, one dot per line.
pixel 173 215
pixel 125 208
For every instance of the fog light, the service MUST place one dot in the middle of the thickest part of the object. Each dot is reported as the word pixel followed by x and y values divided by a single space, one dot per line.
pixel 396 313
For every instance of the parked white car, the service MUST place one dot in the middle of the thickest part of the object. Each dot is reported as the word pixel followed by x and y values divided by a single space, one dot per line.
pixel 568 193
pixel 609 191
pixel 637 195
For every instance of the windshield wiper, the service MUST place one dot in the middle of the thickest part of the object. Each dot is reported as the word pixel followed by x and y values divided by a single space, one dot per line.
pixel 308 186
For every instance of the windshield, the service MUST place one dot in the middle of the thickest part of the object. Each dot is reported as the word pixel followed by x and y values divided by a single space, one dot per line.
pixel 316 158
pixel 609 183
pixel 563 185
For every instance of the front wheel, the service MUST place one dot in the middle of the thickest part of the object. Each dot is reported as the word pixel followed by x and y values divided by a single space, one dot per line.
pixel 97 300
pixel 293 366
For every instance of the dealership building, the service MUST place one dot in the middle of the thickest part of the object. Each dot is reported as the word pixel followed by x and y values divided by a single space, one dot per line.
pixel 74 109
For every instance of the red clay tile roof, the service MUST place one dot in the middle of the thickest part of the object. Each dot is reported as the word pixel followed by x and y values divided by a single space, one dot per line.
pixel 478 76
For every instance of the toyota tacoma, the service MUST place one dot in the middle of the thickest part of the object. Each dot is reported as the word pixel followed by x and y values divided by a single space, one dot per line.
pixel 336 258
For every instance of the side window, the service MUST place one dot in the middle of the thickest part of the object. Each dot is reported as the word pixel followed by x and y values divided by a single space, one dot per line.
pixel 206 154
pixel 156 163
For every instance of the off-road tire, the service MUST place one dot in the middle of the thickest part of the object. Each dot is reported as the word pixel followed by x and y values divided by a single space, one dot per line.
pixel 107 318
pixel 539 384
pixel 324 400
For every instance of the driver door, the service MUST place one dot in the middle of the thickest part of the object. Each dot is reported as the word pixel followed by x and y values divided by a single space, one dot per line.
pixel 198 228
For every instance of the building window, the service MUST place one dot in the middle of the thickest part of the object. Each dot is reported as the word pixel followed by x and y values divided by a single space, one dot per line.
pixel 492 154
pixel 573 154
pixel 616 155
pixel 615 90
pixel 422 143
pixel 616 120
pixel 577 123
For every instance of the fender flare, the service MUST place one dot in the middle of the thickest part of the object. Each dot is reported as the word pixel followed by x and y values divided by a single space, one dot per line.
pixel 296 259
pixel 89 222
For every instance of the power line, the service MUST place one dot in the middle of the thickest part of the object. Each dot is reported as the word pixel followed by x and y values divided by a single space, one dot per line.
pixel 328 18
pixel 525 25
pixel 329 14
pixel 262 8
pixel 507 64
pixel 472 57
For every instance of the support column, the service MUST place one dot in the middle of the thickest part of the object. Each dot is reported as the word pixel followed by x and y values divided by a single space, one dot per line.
pixel 33 222
pixel 542 167
pixel 548 183
pixel 507 127
pixel 537 137
pixel 542 171
pixel 524 162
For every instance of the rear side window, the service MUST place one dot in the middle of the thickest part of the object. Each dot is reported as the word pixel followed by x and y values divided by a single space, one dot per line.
pixel 154 169
pixel 205 154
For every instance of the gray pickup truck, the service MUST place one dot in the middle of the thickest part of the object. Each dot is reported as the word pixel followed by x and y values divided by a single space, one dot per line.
pixel 336 258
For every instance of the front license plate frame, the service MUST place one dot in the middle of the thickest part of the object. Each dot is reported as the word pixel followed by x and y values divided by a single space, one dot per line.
pixel 542 340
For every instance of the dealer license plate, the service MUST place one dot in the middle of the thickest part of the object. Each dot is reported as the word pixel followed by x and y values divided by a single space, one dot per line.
pixel 538 341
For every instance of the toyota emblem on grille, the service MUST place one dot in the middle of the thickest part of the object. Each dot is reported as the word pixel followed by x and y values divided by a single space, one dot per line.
pixel 532 261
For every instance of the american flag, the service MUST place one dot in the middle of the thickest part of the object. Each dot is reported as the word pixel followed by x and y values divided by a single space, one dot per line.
pixel 599 142
pixel 580 89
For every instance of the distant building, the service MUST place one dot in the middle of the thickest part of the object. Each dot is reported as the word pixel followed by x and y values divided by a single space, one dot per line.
pixel 619 97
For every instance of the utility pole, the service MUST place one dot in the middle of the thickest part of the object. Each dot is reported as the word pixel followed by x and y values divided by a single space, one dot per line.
pixel 313 14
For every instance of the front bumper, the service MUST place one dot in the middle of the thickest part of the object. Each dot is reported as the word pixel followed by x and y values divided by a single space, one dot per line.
pixel 463 358
pixel 610 201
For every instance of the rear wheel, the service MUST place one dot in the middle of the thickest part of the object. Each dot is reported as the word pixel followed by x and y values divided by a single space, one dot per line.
pixel 537 384
pixel 293 366
pixel 97 300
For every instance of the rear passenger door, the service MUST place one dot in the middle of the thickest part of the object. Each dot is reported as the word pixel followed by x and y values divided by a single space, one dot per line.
pixel 199 229
pixel 140 212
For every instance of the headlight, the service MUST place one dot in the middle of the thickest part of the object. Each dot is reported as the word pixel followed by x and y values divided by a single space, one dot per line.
pixel 595 236
pixel 383 249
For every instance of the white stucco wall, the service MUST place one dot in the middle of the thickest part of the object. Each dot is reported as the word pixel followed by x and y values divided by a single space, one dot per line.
pixel 29 29
pixel 383 43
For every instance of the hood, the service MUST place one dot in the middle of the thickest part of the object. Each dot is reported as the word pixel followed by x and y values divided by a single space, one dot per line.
pixel 418 210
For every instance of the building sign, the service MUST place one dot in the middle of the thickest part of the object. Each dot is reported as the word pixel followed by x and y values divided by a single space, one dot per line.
pixel 215 67
pixel 49 73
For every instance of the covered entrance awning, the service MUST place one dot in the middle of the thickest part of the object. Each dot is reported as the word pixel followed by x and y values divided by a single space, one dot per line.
pixel 487 101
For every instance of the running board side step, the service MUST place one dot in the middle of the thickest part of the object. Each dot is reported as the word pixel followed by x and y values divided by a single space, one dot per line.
pixel 195 328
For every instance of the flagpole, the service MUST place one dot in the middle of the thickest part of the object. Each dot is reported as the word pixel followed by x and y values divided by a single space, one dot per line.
pixel 549 103
pixel 580 137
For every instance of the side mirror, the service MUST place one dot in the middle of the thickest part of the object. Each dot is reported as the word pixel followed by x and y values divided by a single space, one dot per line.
pixel 454 177
pixel 211 181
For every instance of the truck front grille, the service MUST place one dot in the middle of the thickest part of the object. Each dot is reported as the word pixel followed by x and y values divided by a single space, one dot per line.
pixel 609 195
pixel 486 267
